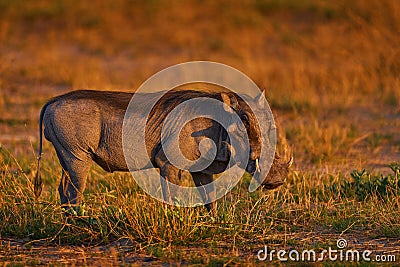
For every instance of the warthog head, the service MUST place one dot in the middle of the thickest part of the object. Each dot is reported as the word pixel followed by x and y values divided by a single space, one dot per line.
pixel 257 165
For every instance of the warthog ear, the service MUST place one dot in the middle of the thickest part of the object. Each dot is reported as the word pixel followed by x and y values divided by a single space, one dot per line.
pixel 259 99
pixel 229 100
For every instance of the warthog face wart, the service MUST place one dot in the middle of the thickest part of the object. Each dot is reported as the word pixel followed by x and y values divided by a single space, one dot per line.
pixel 86 126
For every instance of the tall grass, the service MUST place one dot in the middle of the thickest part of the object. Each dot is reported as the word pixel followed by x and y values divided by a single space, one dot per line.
pixel 115 207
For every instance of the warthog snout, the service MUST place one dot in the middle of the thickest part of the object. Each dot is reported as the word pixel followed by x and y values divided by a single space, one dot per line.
pixel 277 174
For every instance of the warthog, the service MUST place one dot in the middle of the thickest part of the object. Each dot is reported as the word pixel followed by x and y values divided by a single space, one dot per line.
pixel 86 126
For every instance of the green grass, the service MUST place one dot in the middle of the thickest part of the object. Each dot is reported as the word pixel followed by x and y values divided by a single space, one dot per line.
pixel 364 185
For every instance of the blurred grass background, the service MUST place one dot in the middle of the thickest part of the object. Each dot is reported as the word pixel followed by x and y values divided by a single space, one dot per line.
pixel 309 52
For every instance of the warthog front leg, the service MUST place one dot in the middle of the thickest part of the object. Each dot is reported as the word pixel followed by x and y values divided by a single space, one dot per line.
pixel 172 173
pixel 168 172
pixel 200 179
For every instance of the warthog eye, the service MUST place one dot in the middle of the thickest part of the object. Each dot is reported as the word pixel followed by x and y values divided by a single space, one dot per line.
pixel 245 120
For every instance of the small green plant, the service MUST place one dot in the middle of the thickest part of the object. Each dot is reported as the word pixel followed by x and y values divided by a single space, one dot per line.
pixel 364 184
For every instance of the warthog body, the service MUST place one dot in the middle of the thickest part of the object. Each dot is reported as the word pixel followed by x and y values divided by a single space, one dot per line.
pixel 86 126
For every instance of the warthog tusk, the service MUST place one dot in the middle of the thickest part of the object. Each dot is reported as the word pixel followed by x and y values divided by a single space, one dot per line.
pixel 290 162
pixel 257 166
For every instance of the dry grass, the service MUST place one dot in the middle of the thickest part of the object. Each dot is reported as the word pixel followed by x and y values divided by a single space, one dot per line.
pixel 331 72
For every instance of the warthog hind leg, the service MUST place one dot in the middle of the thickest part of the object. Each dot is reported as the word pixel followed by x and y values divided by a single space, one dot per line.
pixel 73 179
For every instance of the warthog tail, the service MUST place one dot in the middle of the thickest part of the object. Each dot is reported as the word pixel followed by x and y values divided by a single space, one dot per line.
pixel 38 184
pixel 38 181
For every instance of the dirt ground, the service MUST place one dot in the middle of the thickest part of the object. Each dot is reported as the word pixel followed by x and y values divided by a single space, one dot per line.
pixel 124 252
